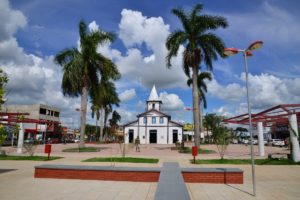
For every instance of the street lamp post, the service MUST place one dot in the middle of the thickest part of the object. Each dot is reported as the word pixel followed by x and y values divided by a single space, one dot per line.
pixel 247 52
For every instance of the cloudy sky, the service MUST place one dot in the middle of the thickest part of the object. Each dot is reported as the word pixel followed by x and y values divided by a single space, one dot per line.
pixel 33 31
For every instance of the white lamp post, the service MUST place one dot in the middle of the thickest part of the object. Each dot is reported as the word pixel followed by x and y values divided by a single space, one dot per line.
pixel 247 52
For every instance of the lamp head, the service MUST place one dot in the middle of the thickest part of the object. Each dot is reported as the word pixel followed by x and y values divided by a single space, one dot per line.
pixel 230 51
pixel 255 45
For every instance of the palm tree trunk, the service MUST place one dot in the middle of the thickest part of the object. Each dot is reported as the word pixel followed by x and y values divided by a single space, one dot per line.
pixel 83 115
pixel 105 121
pixel 101 125
pixel 196 107
pixel 96 127
pixel 200 118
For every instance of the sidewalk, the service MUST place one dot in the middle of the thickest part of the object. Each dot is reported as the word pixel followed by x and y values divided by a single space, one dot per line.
pixel 273 182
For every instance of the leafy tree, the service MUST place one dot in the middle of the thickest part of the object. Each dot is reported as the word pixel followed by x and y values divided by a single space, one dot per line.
pixel 3 136
pixel 104 97
pixel 96 114
pixel 83 68
pixel 222 137
pixel 3 81
pixel 211 122
pixel 116 117
pixel 200 45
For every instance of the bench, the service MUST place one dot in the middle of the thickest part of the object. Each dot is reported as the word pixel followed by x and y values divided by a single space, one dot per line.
pixel 135 174
pixel 278 155
pixel 213 175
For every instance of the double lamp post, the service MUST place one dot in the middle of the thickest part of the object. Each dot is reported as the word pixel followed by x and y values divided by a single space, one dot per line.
pixel 247 53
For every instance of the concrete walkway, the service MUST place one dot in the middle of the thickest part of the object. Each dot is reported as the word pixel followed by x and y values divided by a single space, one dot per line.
pixel 171 184
pixel 273 182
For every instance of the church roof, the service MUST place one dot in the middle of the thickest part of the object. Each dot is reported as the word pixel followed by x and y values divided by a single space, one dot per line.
pixel 153 110
pixel 153 95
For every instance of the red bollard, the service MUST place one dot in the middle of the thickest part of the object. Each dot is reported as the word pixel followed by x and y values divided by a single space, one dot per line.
pixel 194 152
pixel 48 150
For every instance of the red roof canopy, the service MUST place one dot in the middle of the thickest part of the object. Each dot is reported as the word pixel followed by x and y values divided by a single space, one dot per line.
pixel 276 114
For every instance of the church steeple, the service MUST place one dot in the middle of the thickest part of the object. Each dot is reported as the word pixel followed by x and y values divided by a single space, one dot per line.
pixel 153 95
pixel 153 100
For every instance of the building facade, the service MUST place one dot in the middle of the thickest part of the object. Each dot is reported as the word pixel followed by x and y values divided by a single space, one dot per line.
pixel 42 119
pixel 153 126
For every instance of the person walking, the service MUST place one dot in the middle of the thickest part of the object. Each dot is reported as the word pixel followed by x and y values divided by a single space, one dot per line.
pixel 137 144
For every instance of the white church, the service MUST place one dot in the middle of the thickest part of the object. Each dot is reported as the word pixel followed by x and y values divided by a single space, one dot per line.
pixel 153 126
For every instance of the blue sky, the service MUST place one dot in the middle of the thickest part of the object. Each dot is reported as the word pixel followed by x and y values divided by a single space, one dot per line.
pixel 33 31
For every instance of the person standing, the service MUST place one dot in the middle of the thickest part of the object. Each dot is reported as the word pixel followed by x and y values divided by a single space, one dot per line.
pixel 137 144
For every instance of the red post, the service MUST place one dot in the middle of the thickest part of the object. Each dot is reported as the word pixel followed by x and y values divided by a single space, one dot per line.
pixel 48 150
pixel 194 152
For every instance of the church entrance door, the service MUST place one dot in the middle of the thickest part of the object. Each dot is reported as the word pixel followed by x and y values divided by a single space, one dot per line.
pixel 153 136
pixel 175 136
pixel 131 133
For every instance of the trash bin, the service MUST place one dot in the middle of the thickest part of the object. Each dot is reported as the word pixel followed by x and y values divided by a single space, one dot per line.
pixel 48 148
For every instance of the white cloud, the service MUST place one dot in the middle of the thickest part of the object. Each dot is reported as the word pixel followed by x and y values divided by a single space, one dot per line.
pixel 127 95
pixel 11 20
pixel 232 92
pixel 171 102
pixel 265 91
pixel 93 26
pixel 222 111
pixel 145 70
pixel 273 25
pixel 126 116
pixel 32 79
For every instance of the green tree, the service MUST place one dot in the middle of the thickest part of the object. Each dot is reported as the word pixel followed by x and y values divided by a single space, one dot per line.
pixel 115 118
pixel 211 122
pixel 104 97
pixel 3 134
pixel 83 68
pixel 200 45
pixel 3 81
pixel 96 114
pixel 222 137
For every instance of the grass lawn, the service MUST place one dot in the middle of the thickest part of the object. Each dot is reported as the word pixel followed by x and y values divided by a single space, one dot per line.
pixel 32 158
pixel 200 151
pixel 247 161
pixel 121 159
pixel 84 149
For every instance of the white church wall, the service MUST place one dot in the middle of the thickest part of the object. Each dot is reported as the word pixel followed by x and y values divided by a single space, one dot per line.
pixel 162 135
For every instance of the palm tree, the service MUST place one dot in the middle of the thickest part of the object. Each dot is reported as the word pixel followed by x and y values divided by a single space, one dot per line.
pixel 84 67
pixel 200 45
pixel 96 111
pixel 202 89
pixel 115 118
pixel 103 98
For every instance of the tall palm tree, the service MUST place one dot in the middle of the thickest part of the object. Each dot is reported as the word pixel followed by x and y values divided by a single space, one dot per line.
pixel 96 111
pixel 200 45
pixel 115 118
pixel 84 67
pixel 202 89
pixel 103 98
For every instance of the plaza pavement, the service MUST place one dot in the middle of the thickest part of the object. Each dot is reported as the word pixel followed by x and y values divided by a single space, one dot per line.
pixel 273 182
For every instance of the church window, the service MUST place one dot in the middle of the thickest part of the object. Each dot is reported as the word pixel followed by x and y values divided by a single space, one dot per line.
pixel 153 106
pixel 161 120
pixel 153 120
pixel 145 120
